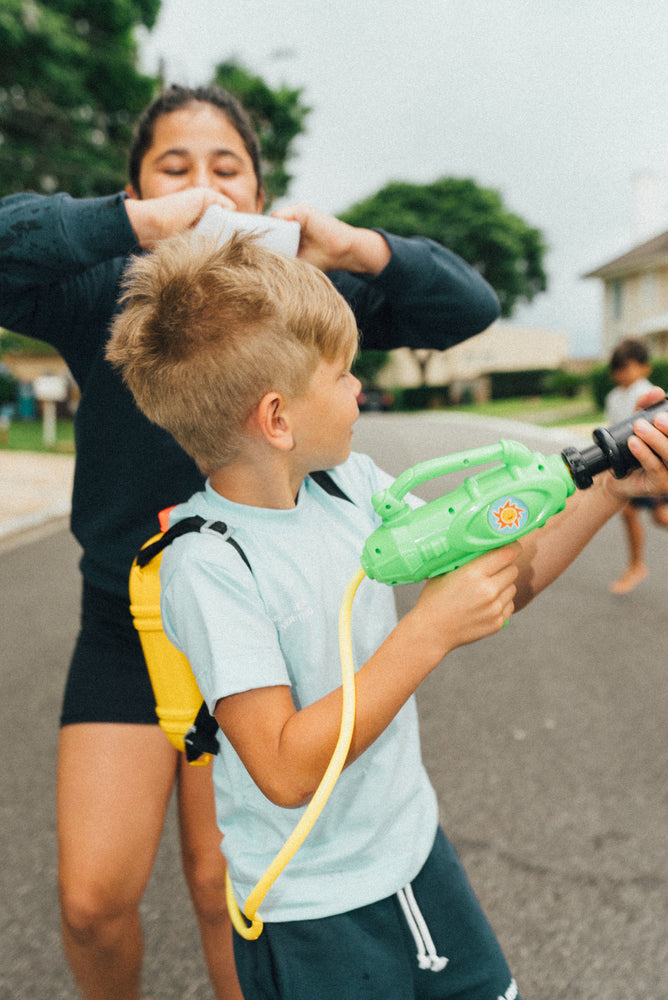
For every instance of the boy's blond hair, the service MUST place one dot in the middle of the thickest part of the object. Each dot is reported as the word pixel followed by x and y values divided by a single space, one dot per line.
pixel 205 333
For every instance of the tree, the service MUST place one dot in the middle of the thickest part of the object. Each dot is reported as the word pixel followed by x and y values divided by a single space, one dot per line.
pixel 278 117
pixel 470 220
pixel 367 364
pixel 69 92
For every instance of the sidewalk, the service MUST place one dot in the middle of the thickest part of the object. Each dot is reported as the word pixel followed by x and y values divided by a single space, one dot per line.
pixel 35 490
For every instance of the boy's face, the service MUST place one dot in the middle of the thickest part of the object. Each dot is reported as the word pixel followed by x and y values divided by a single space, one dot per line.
pixel 197 146
pixel 630 373
pixel 323 418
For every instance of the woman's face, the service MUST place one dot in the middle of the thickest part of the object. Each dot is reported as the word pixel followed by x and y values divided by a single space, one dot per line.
pixel 197 146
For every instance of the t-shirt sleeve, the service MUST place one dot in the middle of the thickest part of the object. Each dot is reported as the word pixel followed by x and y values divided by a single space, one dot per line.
pixel 213 613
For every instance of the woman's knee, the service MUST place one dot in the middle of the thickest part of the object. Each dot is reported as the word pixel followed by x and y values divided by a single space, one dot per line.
pixel 93 913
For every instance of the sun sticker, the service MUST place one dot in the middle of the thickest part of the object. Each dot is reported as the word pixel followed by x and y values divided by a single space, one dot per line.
pixel 508 514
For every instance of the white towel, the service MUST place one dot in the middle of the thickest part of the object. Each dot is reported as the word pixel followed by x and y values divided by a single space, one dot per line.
pixel 276 234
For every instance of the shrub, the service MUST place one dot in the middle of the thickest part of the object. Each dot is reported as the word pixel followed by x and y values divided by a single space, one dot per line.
pixel 562 383
pixel 421 397
pixel 511 385
pixel 660 372
pixel 8 387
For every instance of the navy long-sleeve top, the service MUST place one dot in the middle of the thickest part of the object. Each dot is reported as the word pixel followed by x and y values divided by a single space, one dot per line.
pixel 61 260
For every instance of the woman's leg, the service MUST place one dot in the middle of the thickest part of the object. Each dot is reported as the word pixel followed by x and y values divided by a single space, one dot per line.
pixel 114 784
pixel 204 868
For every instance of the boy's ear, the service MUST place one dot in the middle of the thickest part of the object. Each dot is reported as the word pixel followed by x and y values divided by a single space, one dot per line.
pixel 272 421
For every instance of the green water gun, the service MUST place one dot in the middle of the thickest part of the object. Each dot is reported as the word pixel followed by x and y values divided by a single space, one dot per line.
pixel 486 511
pixel 489 509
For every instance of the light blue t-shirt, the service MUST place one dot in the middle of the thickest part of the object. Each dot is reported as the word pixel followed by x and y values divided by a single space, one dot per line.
pixel 279 625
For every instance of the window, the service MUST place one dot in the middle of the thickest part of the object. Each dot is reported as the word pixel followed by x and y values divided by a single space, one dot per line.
pixel 616 298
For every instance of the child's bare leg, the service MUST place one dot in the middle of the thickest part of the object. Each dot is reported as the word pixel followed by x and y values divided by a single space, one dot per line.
pixel 204 868
pixel 637 570
pixel 660 515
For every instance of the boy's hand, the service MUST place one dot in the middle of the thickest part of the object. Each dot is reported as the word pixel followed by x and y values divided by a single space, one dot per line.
pixel 471 602
pixel 154 219
pixel 649 445
pixel 332 245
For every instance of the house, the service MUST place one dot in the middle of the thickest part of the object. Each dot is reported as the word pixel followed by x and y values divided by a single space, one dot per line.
pixel 503 347
pixel 30 365
pixel 635 295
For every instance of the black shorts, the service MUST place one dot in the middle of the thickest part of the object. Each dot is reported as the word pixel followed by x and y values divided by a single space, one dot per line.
pixel 108 680
pixel 648 503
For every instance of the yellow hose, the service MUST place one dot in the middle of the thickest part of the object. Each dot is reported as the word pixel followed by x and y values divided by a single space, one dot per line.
pixel 324 789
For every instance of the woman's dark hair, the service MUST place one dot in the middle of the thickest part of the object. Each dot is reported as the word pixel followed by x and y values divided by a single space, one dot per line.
pixel 174 99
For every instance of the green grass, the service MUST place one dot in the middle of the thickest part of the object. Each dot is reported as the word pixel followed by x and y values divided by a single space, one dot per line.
pixel 549 411
pixel 26 435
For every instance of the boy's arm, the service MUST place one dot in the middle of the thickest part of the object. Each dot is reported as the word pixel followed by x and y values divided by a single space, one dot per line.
pixel 286 751
pixel 548 552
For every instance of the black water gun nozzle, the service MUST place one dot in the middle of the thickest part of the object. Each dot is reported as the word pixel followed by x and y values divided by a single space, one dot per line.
pixel 610 451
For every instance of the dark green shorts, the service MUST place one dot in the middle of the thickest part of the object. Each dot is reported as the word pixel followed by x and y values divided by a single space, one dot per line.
pixel 431 941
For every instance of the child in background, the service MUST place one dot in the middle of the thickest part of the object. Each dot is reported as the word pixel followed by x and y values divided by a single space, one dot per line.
pixel 630 369
pixel 244 356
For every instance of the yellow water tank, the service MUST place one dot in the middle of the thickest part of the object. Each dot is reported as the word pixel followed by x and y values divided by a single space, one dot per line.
pixel 177 696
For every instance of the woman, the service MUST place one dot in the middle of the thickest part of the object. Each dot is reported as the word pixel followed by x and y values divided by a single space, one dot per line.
pixel 60 265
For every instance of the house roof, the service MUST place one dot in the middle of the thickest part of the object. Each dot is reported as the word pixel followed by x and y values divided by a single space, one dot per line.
pixel 635 259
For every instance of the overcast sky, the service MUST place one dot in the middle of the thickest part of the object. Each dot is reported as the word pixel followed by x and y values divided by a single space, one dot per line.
pixel 561 105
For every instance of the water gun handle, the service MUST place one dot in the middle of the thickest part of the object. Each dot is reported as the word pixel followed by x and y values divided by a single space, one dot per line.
pixel 491 508
pixel 388 503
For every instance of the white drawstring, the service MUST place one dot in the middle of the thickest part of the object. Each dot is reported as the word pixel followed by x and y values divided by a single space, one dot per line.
pixel 426 950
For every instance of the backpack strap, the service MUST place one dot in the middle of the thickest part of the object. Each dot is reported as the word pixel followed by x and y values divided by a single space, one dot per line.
pixel 201 737
pixel 149 552
pixel 326 483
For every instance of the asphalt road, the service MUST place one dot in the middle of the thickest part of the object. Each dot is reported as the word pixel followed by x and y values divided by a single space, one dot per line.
pixel 547 745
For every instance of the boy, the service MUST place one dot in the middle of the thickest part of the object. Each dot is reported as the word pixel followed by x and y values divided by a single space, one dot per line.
pixel 61 260
pixel 244 356
pixel 630 369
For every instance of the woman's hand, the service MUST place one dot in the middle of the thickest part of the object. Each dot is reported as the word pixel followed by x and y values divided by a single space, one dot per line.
pixel 154 219
pixel 332 245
